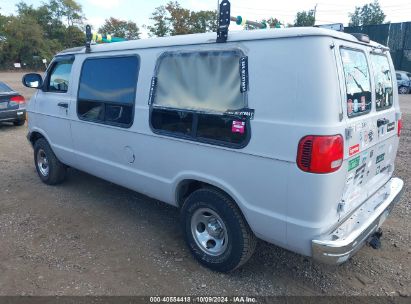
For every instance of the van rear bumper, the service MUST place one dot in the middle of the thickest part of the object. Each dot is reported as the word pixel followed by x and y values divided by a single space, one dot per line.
pixel 342 243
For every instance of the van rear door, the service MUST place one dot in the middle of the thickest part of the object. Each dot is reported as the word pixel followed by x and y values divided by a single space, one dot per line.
pixel 371 136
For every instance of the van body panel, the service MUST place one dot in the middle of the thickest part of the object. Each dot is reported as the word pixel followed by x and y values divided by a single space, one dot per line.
pixel 296 87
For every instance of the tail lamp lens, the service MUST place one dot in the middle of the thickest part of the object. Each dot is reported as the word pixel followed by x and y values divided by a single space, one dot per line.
pixel 399 127
pixel 18 100
pixel 320 154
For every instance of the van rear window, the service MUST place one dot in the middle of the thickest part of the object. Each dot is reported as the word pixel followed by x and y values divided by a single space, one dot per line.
pixel 357 82
pixel 382 80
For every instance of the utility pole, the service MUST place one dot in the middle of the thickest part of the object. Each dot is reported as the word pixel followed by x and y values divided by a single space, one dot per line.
pixel 315 11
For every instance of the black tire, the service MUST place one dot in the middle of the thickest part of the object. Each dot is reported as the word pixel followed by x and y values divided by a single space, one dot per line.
pixel 241 240
pixel 56 172
pixel 19 122
pixel 403 90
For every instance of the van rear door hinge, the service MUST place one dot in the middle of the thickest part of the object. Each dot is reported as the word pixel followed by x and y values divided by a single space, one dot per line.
pixel 223 21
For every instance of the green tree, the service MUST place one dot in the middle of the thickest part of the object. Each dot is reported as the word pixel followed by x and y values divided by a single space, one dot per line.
pixel 53 28
pixel 24 42
pixel 120 28
pixel 172 19
pixel 305 18
pixel 68 10
pixel 52 17
pixel 203 21
pixel 161 26
pixel 179 19
pixel 368 14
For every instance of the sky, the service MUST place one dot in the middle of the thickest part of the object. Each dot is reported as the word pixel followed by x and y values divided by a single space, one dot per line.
pixel 139 11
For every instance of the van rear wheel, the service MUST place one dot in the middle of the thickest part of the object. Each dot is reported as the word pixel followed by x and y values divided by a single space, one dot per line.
pixel 50 170
pixel 216 231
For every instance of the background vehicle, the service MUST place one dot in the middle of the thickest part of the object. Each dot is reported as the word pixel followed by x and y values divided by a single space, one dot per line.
pixel 12 106
pixel 403 81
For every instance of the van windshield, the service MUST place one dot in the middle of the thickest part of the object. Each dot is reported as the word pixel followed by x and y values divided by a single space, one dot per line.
pixel 382 80
pixel 357 80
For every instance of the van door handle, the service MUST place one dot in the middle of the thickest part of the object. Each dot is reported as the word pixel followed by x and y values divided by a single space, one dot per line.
pixel 382 121
pixel 63 105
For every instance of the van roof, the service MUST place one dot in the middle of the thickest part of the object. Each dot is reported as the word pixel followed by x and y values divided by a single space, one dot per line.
pixel 205 38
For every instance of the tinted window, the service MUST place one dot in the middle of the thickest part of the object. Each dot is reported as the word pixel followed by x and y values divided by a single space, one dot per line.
pixel 357 80
pixel 398 76
pixel 222 128
pixel 382 81
pixel 173 121
pixel 109 79
pixel 107 90
pixel 4 87
pixel 192 93
pixel 60 76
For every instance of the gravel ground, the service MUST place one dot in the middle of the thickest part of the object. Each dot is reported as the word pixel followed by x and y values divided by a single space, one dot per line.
pixel 90 237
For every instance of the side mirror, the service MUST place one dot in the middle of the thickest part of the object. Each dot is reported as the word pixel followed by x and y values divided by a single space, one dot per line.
pixel 33 80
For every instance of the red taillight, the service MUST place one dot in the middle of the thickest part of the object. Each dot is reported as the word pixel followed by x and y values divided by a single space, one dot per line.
pixel 320 154
pixel 18 99
pixel 399 127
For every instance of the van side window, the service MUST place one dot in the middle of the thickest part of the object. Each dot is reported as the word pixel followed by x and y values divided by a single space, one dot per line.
pixel 193 92
pixel 107 90
pixel 382 80
pixel 357 80
pixel 59 78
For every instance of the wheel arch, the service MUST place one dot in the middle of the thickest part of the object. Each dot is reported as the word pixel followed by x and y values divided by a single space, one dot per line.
pixel 35 135
pixel 190 183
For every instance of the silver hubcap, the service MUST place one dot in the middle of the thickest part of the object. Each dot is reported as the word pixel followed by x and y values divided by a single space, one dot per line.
pixel 209 231
pixel 42 162
pixel 403 90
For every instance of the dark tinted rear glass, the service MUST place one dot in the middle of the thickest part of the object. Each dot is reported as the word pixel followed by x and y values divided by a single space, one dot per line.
pixel 109 79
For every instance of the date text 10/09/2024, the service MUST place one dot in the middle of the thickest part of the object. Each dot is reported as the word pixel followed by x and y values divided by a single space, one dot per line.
pixel 203 299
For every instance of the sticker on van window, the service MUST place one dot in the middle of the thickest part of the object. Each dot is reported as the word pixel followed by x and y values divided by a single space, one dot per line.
pixel 380 158
pixel 391 126
pixel 244 74
pixel 354 149
pixel 353 163
pixel 350 106
pixel 355 105
pixel 152 90
pixel 238 126
pixel 242 113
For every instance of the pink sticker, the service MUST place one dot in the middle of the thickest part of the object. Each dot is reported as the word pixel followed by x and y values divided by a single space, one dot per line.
pixel 350 106
pixel 238 126
pixel 362 103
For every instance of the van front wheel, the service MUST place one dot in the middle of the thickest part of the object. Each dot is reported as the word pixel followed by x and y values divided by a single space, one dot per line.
pixel 50 170
pixel 216 231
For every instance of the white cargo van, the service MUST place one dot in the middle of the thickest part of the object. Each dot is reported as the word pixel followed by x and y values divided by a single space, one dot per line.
pixel 284 135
